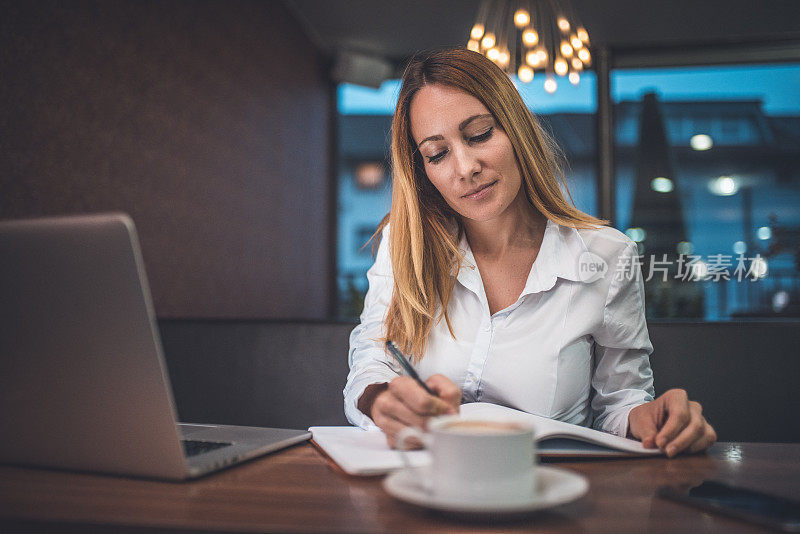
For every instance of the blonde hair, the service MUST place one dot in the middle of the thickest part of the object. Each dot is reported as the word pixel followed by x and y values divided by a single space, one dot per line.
pixel 423 244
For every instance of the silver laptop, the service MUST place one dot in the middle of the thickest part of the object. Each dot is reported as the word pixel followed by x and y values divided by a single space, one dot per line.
pixel 83 384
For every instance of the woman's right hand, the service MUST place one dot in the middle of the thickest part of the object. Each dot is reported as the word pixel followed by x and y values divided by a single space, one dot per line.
pixel 402 402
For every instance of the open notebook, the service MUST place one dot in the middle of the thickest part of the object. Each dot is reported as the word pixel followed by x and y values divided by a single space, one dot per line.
pixel 363 452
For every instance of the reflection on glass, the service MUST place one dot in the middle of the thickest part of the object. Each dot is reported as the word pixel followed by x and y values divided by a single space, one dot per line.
pixel 708 180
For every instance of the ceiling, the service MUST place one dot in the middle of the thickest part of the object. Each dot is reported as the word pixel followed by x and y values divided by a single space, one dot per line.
pixel 393 30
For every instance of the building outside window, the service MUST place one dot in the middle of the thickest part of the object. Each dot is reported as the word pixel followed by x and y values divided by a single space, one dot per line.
pixel 707 182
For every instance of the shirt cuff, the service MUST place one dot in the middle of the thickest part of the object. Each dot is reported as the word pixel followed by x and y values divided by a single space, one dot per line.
pixel 617 422
pixel 353 394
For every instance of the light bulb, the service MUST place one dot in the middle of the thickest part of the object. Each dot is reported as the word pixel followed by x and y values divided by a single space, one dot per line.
pixel 583 35
pixel 542 55
pixel 723 186
pixel 584 56
pixel 561 66
pixel 521 18
pixel 780 300
pixel 488 40
pixel 636 234
pixel 474 45
pixel 566 49
pixel 532 58
pixel 758 267
pixel 661 184
pixel 684 247
pixel 574 78
pixel 576 43
pixel 525 74
pixel 493 54
pixel 699 270
pixel 530 37
pixel 477 31
pixel 503 58
pixel 550 85
pixel 576 64
pixel 701 142
pixel 563 24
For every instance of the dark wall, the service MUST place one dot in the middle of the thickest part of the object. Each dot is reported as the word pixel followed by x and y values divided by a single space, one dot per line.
pixel 634 23
pixel 207 121
pixel 396 30
pixel 744 374
pixel 257 373
pixel 291 374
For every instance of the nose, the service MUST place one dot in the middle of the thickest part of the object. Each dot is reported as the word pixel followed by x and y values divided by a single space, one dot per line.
pixel 466 162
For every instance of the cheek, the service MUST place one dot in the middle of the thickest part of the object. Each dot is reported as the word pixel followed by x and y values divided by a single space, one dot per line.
pixel 509 167
pixel 499 153
pixel 506 159
pixel 439 180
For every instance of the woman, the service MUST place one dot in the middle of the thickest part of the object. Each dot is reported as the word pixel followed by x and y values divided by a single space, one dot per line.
pixel 542 309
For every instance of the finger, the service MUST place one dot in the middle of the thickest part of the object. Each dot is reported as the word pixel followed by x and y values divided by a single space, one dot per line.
pixel 446 390
pixel 392 427
pixel 395 409
pixel 692 433
pixel 649 436
pixel 642 423
pixel 708 439
pixel 678 417
pixel 417 399
pixel 387 405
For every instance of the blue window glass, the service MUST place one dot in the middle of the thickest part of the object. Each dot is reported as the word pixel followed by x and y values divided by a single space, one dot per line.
pixel 708 184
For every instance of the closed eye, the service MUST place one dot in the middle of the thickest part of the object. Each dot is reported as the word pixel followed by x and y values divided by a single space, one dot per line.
pixel 474 139
pixel 482 137
pixel 436 157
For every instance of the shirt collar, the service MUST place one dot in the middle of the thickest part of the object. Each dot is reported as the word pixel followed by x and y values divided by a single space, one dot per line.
pixel 558 257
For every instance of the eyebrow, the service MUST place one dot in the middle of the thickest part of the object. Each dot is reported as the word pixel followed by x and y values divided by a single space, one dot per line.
pixel 461 126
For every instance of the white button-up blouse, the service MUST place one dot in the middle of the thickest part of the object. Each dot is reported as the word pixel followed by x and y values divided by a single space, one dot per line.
pixel 573 347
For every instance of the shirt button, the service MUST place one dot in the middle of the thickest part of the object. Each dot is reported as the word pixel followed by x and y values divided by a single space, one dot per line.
pixel 487 327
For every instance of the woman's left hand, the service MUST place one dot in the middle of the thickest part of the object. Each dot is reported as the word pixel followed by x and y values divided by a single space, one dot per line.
pixel 672 423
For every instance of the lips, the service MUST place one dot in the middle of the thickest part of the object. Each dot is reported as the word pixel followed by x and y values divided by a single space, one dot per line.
pixel 479 188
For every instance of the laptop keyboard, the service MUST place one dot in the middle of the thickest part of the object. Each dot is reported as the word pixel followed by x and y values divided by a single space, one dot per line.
pixel 193 448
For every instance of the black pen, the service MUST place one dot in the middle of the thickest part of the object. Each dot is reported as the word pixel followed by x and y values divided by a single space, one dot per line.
pixel 404 363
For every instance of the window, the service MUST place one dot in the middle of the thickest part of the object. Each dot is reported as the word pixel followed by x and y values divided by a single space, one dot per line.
pixel 707 181
pixel 708 184
pixel 364 138
pixel 364 191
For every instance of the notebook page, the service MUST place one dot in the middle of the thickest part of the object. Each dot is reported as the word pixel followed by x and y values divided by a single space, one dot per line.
pixel 362 452
pixel 548 428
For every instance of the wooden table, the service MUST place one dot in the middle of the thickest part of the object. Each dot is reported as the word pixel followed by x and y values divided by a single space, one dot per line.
pixel 296 490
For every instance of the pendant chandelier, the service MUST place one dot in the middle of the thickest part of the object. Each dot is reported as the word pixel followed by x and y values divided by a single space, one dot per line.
pixel 525 37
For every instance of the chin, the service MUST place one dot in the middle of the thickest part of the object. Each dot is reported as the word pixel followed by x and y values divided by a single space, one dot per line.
pixel 486 213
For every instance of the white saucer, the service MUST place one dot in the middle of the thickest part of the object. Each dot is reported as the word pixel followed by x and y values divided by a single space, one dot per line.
pixel 556 486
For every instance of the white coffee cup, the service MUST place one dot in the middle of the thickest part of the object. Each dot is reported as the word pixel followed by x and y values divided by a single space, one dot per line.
pixel 476 459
